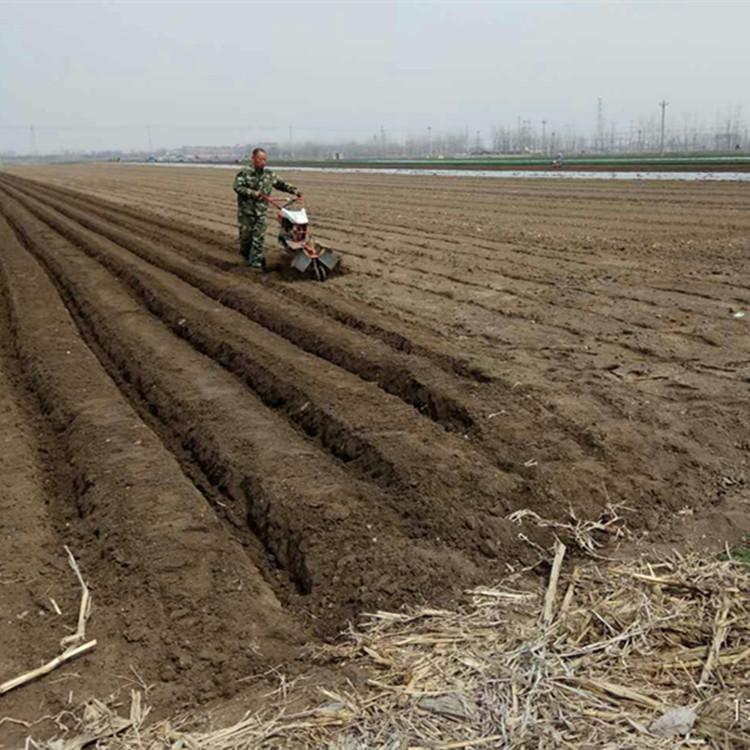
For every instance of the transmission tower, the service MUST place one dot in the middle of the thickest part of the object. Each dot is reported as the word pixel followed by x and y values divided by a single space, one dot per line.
pixel 663 105
pixel 600 124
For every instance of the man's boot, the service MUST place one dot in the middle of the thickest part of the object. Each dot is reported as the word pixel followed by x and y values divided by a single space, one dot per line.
pixel 255 261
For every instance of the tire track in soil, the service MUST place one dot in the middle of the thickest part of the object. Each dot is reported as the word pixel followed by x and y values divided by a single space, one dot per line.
pixel 345 571
pixel 165 575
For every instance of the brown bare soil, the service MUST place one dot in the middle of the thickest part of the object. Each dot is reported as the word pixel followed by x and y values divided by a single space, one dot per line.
pixel 242 464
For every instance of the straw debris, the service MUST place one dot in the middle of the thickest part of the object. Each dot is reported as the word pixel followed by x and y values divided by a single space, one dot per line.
pixel 73 645
pixel 626 655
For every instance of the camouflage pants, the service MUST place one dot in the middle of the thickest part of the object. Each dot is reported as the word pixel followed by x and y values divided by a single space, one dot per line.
pixel 252 238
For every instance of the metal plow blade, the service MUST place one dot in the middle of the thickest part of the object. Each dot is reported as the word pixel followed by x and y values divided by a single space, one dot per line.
pixel 319 267
pixel 329 259
pixel 301 262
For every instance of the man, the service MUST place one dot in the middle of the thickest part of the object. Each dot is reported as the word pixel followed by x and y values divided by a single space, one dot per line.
pixel 253 185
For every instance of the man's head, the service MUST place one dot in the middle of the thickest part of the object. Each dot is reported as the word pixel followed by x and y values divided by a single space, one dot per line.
pixel 260 158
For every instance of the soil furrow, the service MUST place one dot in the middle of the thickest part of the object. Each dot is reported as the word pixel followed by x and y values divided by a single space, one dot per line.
pixel 313 516
pixel 38 594
pixel 578 429
pixel 569 405
pixel 580 309
pixel 501 256
pixel 192 242
pixel 427 304
pixel 159 557
pixel 682 342
pixel 408 378
pixel 242 463
pixel 391 443
pixel 507 448
pixel 505 440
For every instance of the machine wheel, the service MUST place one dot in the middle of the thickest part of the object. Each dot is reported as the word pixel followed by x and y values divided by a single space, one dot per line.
pixel 321 272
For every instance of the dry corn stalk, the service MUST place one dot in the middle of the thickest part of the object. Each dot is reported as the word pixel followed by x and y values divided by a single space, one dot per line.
pixel 511 670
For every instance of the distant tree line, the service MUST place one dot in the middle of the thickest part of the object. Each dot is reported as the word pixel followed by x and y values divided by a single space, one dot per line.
pixel 729 134
pixel 527 137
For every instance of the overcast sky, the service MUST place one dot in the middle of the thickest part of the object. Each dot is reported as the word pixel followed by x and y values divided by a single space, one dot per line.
pixel 94 75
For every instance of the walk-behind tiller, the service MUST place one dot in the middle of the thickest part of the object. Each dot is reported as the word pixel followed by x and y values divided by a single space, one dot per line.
pixel 304 254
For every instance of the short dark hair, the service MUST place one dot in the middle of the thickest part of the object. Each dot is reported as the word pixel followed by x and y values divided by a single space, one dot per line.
pixel 259 150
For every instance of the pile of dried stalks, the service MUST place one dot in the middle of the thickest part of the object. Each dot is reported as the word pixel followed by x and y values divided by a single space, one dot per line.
pixel 594 660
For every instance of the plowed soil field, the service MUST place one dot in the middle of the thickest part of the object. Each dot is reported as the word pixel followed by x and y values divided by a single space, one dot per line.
pixel 242 463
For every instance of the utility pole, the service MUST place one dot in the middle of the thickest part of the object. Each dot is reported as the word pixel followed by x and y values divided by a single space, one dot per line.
pixel 150 141
pixel 32 135
pixel 382 139
pixel 544 136
pixel 663 104
pixel 291 141
pixel 429 140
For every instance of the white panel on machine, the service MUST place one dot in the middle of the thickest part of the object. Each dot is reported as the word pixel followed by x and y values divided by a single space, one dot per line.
pixel 296 217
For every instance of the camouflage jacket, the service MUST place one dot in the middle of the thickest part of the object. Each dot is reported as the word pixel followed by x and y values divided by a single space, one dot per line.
pixel 250 183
